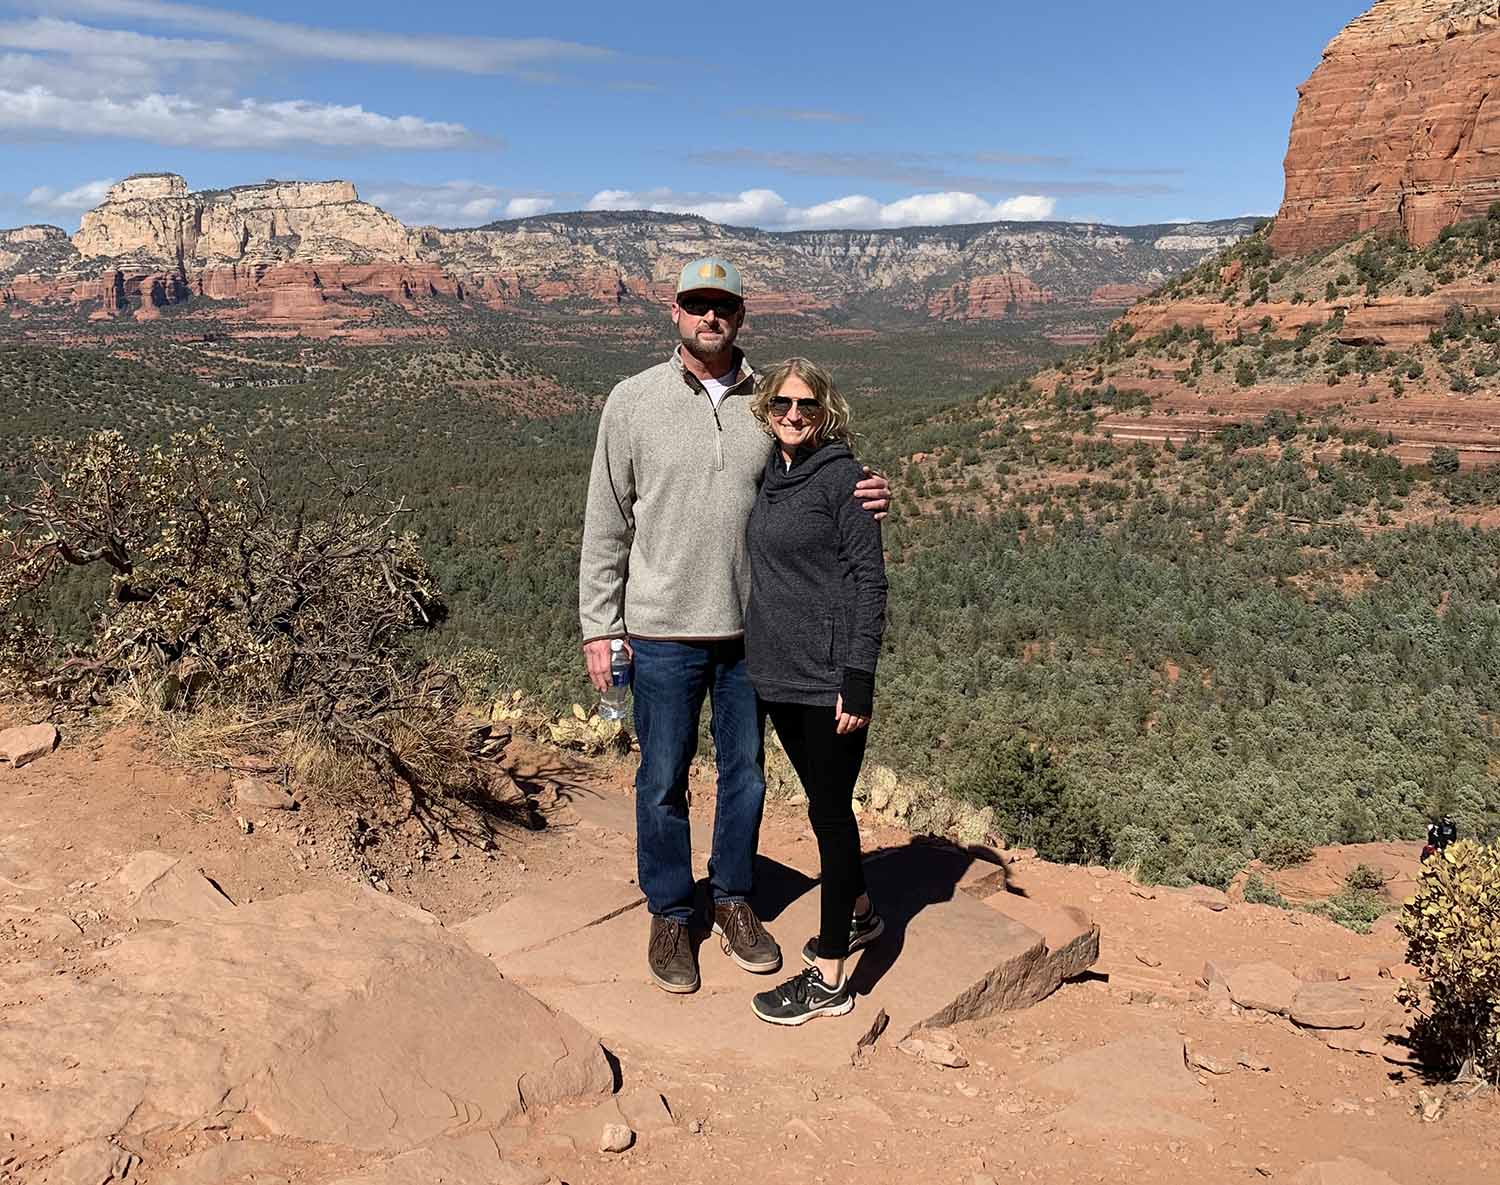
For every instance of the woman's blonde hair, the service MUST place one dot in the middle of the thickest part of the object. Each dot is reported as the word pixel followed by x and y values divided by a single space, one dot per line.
pixel 835 424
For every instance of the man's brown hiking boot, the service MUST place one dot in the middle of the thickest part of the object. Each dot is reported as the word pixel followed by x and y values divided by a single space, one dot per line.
pixel 744 939
pixel 674 967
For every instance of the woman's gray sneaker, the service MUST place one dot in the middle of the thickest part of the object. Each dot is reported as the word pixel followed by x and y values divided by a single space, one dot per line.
pixel 862 932
pixel 744 939
pixel 801 998
pixel 674 967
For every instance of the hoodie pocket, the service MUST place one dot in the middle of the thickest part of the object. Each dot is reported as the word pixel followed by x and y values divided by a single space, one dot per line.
pixel 837 645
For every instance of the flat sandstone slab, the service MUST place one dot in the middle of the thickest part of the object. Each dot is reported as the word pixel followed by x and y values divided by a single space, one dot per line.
pixel 945 956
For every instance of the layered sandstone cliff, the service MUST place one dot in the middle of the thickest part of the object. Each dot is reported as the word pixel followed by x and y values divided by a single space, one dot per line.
pixel 284 250
pixel 156 217
pixel 1396 129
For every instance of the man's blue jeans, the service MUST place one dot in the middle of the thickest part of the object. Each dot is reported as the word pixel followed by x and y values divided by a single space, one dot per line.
pixel 671 679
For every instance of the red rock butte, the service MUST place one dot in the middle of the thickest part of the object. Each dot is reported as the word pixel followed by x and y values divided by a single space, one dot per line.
pixel 1395 130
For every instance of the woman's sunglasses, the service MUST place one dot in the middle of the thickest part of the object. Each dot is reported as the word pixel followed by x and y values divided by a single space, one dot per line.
pixel 781 405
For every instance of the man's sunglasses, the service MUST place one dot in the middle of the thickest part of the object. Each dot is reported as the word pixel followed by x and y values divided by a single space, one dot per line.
pixel 780 405
pixel 724 307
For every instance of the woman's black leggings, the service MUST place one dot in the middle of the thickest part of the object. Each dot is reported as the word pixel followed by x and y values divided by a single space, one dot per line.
pixel 828 765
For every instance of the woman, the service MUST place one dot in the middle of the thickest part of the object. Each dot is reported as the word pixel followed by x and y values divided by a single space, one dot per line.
pixel 812 637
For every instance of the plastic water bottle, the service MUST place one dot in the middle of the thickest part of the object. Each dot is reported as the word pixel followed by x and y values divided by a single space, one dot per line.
pixel 612 702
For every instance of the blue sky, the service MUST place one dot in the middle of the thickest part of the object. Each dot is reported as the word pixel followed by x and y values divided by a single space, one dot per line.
pixel 772 114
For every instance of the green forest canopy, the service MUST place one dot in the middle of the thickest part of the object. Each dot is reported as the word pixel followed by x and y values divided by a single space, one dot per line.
pixel 1203 682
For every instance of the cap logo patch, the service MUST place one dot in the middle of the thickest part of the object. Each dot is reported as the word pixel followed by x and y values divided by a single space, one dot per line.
pixel 712 271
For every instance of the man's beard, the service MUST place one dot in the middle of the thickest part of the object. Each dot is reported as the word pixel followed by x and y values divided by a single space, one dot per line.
pixel 703 351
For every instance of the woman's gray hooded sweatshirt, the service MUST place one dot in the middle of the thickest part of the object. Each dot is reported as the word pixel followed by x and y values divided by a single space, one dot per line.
pixel 817 583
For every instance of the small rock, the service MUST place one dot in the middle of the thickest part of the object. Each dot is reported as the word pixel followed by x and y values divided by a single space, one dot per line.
pixel 245 825
pixel 1216 971
pixel 1148 960
pixel 984 1179
pixel 695 1126
pixel 937 1046
pixel 1209 1064
pixel 252 792
pixel 1264 987
pixel 26 742
pixel 1218 1004
pixel 1328 1006
pixel 1143 894
pixel 615 1137
pixel 1251 1062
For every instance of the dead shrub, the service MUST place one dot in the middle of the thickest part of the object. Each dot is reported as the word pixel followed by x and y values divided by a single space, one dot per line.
pixel 223 600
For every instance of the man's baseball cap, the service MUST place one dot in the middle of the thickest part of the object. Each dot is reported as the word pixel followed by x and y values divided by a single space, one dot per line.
pixel 711 274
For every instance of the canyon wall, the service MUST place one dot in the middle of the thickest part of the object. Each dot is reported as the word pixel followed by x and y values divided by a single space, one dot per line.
pixel 154 216
pixel 290 249
pixel 1395 129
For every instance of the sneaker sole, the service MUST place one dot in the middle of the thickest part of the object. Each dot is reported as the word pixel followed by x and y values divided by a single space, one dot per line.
pixel 835 1010
pixel 753 968
pixel 677 989
pixel 868 939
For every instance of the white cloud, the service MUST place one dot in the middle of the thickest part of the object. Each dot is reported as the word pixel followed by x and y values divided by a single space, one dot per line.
pixel 478 209
pixel 527 207
pixel 177 120
pixel 766 208
pixel 47 35
pixel 524 56
pixel 796 115
pixel 80 76
pixel 454 203
pixel 80 197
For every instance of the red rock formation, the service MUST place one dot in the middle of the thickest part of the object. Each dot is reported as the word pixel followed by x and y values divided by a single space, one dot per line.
pixel 1224 320
pixel 290 295
pixel 987 298
pixel 1395 130
pixel 1118 296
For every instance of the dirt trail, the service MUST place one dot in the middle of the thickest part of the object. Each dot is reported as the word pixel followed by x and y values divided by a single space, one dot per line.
pixel 1137 1072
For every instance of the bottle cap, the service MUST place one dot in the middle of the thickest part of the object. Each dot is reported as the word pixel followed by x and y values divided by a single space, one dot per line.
pixel 617 644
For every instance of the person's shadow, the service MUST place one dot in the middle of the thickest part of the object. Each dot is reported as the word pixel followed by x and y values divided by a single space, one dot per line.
pixel 902 882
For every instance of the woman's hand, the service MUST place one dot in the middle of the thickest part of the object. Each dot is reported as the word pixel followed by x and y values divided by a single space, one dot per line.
pixel 847 723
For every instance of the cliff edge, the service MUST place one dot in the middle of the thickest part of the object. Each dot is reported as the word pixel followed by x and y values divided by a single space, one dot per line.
pixel 1395 130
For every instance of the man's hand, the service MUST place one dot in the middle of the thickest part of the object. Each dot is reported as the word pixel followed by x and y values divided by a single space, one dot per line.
pixel 847 723
pixel 596 656
pixel 874 493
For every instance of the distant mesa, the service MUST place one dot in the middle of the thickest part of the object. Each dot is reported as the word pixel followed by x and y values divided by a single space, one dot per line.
pixel 288 257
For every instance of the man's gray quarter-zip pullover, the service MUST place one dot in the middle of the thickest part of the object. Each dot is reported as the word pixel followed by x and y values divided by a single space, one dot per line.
pixel 670 492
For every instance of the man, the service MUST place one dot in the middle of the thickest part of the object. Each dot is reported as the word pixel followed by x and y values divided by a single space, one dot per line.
pixel 664 564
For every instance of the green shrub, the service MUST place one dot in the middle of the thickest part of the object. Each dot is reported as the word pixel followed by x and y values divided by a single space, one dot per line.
pixel 1259 891
pixel 1286 851
pixel 1354 909
pixel 1443 460
pixel 1452 925
pixel 1036 804
pixel 1364 879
